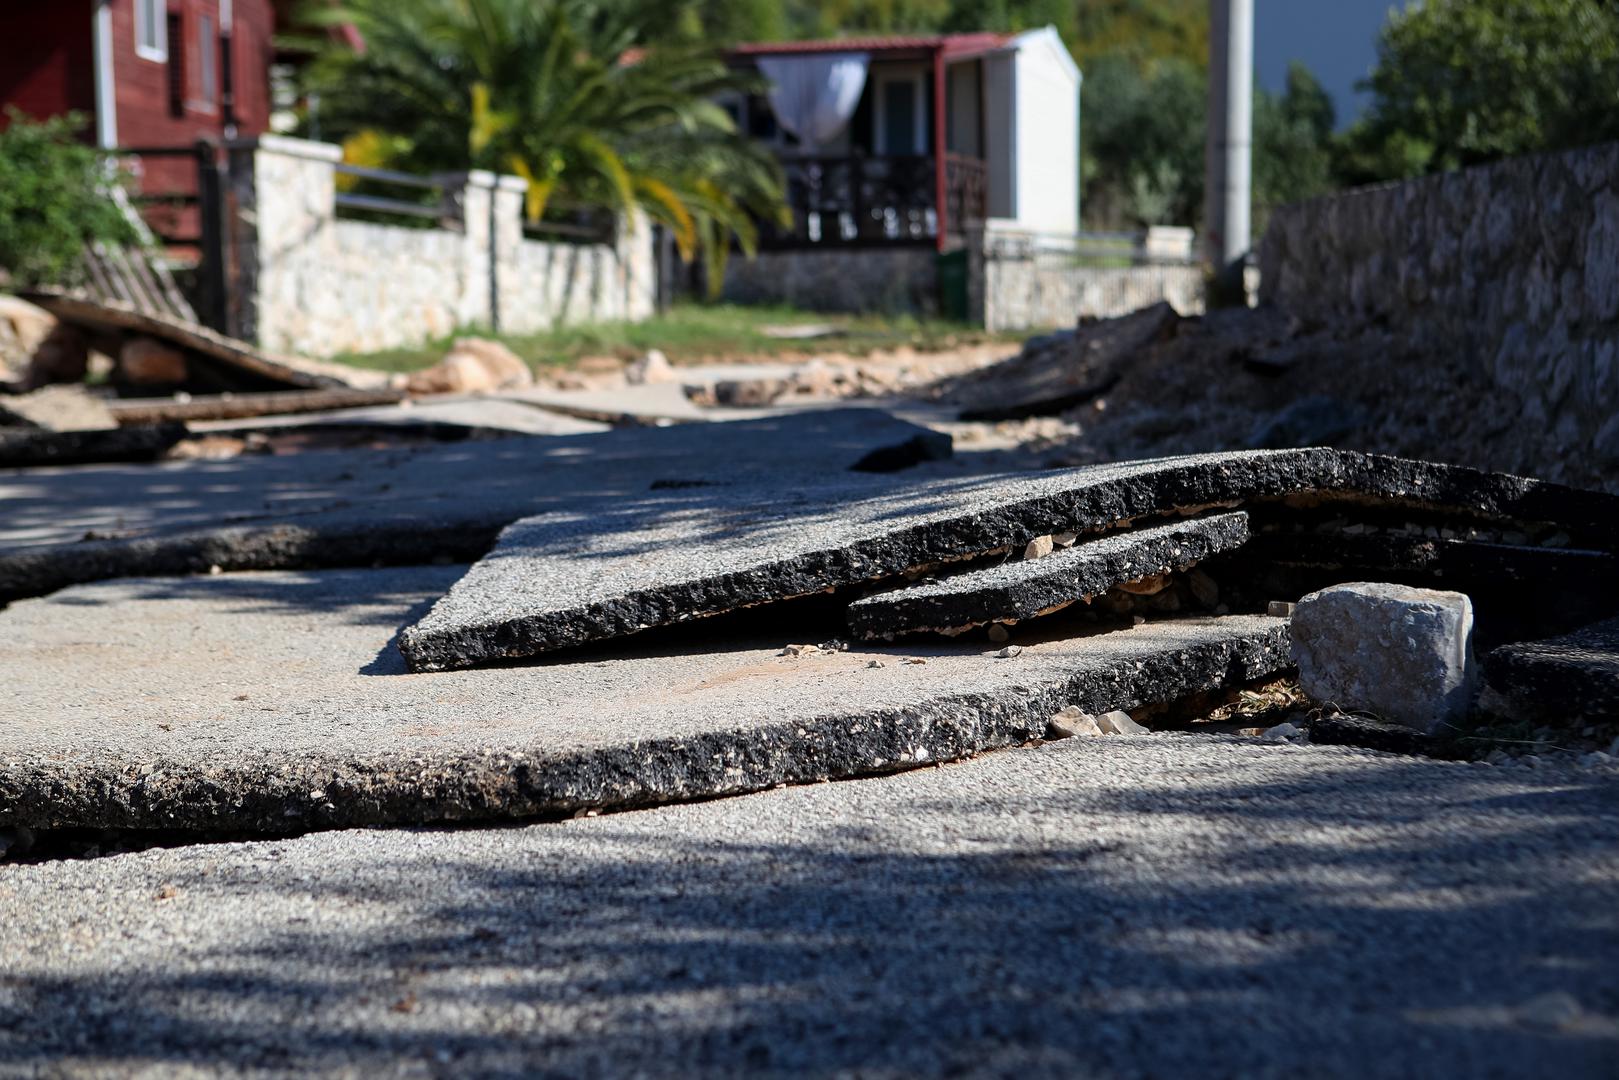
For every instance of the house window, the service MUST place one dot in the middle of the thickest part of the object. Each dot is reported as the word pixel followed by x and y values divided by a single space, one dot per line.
pixel 151 33
pixel 207 50
pixel 177 69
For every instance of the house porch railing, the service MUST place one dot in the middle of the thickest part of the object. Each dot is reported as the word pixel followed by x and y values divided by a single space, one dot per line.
pixel 892 200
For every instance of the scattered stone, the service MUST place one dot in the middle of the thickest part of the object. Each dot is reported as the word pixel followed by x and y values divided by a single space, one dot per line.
pixel 1008 652
pixel 57 408
pixel 1138 620
pixel 1065 539
pixel 1281 733
pixel 998 633
pixel 1038 548
pixel 1118 722
pixel 1071 721
pixel 1025 589
pixel 874 663
pixel 749 393
pixel 654 367
pixel 146 361
pixel 834 645
pixel 1401 653
pixel 1280 609
pixel 473 365
pixel 800 650
pixel 1151 585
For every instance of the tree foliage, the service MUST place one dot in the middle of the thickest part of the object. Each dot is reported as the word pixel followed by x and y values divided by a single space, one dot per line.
pixel 1460 82
pixel 54 200
pixel 550 90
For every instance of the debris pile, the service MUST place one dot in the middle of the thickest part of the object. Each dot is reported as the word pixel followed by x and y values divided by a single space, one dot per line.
pixel 1257 379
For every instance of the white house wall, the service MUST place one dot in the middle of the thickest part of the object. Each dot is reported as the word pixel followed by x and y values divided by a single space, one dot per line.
pixel 1046 135
pixel 1000 134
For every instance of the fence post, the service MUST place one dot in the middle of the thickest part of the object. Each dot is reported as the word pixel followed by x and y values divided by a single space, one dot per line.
pixel 211 269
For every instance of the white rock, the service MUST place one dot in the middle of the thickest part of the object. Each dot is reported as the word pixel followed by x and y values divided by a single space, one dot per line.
pixel 1281 733
pixel 654 367
pixel 1038 548
pixel 1008 652
pixel 1118 722
pixel 800 650
pixel 1401 653
pixel 1071 721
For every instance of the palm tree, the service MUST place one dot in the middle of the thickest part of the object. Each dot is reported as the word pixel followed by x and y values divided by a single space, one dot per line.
pixel 560 93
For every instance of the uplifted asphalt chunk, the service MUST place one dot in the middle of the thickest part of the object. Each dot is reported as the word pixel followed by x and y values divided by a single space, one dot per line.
pixel 610 568
pixel 298 713
pixel 1575 676
pixel 1061 370
pixel 397 506
pixel 1025 588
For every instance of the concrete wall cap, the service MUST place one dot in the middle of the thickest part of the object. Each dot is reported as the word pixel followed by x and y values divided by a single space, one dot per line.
pixel 289 147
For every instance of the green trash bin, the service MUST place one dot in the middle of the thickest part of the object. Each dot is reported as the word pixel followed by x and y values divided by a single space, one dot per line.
pixel 951 273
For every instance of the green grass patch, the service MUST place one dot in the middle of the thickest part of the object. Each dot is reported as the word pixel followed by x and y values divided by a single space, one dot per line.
pixel 690 333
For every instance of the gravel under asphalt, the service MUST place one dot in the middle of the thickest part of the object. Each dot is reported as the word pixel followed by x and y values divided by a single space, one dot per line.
pixel 1166 905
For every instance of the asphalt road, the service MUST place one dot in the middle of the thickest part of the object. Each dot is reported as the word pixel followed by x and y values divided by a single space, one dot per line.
pixel 1164 905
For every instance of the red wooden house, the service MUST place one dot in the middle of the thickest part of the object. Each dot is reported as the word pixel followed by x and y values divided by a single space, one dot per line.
pixel 154 77
pixel 148 72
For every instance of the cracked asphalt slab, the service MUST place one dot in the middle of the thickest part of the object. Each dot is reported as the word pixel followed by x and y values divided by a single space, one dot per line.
pixel 1154 906
pixel 602 569
pixel 402 505
pixel 278 703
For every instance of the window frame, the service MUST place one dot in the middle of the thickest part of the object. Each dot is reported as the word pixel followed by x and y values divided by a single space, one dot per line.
pixel 207 62
pixel 152 15
pixel 915 78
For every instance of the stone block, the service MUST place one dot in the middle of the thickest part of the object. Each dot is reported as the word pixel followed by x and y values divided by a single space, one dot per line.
pixel 1402 653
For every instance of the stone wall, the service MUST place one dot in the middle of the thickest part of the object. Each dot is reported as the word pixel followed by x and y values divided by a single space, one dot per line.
pixel 312 284
pixel 888 279
pixel 1025 281
pixel 1514 264
pixel 1016 281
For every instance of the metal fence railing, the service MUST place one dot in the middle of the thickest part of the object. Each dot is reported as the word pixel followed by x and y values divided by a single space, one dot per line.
pixel 1157 246
pixel 436 206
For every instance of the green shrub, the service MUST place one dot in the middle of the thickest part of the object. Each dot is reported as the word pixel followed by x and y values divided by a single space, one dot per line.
pixel 55 197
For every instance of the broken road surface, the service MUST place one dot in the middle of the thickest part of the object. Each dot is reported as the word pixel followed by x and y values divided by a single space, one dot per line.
pixel 1134 906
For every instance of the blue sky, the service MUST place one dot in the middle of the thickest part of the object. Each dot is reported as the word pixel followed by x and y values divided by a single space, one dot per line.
pixel 1336 39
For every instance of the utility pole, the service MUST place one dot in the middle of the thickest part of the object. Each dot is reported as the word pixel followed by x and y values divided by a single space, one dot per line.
pixel 1228 154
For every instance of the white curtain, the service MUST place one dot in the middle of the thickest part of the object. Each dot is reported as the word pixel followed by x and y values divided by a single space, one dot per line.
pixel 814 94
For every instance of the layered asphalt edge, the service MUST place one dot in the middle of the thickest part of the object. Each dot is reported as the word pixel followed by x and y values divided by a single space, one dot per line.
pixel 447 638
pixel 1027 588
pixel 262 792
